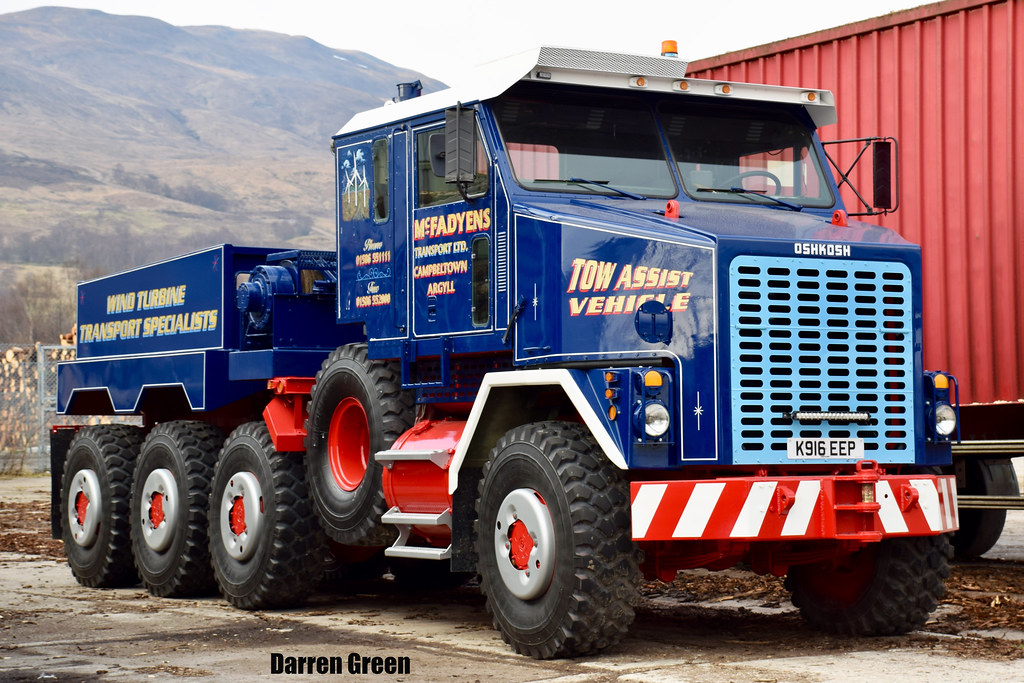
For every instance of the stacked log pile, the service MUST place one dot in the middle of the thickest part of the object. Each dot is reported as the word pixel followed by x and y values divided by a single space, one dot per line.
pixel 24 438
pixel 20 400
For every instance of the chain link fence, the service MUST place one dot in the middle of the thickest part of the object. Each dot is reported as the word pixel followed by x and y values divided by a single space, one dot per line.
pixel 28 402
pixel 28 405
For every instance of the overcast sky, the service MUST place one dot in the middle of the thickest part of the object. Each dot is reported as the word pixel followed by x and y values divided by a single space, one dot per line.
pixel 441 39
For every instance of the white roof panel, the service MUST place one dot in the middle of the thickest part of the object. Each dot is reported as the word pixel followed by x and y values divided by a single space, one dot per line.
pixel 582 67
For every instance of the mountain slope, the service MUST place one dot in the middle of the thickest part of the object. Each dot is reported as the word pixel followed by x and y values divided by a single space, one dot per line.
pixel 166 138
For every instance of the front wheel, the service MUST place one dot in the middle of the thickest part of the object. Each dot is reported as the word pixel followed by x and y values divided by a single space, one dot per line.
pixel 267 548
pixel 886 588
pixel 557 564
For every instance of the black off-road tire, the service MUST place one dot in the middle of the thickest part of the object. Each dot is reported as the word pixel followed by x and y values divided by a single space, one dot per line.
pixel 363 401
pixel 285 549
pixel 179 564
pixel 588 603
pixel 887 588
pixel 102 559
pixel 980 529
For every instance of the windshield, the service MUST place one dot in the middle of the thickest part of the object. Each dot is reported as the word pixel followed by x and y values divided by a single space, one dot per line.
pixel 594 144
pixel 733 154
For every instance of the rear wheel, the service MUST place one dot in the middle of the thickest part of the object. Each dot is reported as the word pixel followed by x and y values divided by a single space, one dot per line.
pixel 557 565
pixel 886 588
pixel 357 407
pixel 267 548
pixel 980 529
pixel 95 504
pixel 170 499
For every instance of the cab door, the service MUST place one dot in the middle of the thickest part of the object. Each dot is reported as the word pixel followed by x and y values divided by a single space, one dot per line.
pixel 451 244
pixel 372 206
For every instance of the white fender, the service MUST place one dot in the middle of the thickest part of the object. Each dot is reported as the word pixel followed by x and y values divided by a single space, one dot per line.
pixel 518 378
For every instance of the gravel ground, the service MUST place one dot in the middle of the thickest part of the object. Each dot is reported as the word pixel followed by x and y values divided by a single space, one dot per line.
pixel 719 626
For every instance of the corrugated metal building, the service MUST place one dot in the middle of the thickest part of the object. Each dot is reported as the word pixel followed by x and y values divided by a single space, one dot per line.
pixel 947 80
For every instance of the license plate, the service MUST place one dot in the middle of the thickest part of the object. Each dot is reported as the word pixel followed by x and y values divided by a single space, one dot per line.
pixel 825 449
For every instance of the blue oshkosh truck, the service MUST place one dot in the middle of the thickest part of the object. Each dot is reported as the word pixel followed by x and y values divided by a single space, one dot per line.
pixel 588 319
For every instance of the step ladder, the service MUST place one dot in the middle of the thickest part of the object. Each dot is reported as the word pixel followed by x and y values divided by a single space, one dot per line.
pixel 405 521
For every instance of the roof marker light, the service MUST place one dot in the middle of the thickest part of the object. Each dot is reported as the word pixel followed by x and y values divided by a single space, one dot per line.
pixel 809 96
pixel 680 85
pixel 723 89
pixel 638 82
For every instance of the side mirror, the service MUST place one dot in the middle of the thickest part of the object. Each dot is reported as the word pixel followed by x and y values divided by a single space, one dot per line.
pixel 885 165
pixel 460 145
pixel 881 152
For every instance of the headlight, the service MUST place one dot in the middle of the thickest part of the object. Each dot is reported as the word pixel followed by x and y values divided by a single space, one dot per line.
pixel 945 419
pixel 655 419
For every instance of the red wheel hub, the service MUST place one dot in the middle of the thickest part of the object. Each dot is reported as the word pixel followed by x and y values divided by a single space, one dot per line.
pixel 348 444
pixel 524 544
pixel 81 505
pixel 520 545
pixel 238 516
pixel 156 510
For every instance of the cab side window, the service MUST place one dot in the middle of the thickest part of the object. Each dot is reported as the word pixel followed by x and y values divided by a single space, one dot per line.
pixel 481 258
pixel 431 189
pixel 381 196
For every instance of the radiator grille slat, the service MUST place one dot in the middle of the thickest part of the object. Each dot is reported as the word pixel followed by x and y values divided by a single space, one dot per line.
pixel 820 335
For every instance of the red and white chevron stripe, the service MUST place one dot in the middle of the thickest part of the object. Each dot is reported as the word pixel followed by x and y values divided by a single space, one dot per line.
pixel 793 508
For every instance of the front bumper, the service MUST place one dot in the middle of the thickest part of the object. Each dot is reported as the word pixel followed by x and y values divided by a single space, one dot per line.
pixel 864 506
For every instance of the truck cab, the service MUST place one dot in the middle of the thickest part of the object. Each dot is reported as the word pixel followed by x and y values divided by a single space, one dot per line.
pixel 594 219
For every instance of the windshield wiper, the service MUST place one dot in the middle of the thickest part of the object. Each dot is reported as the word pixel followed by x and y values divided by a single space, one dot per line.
pixel 751 193
pixel 604 184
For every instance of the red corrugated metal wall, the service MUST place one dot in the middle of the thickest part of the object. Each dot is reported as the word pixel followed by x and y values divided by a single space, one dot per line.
pixel 947 80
